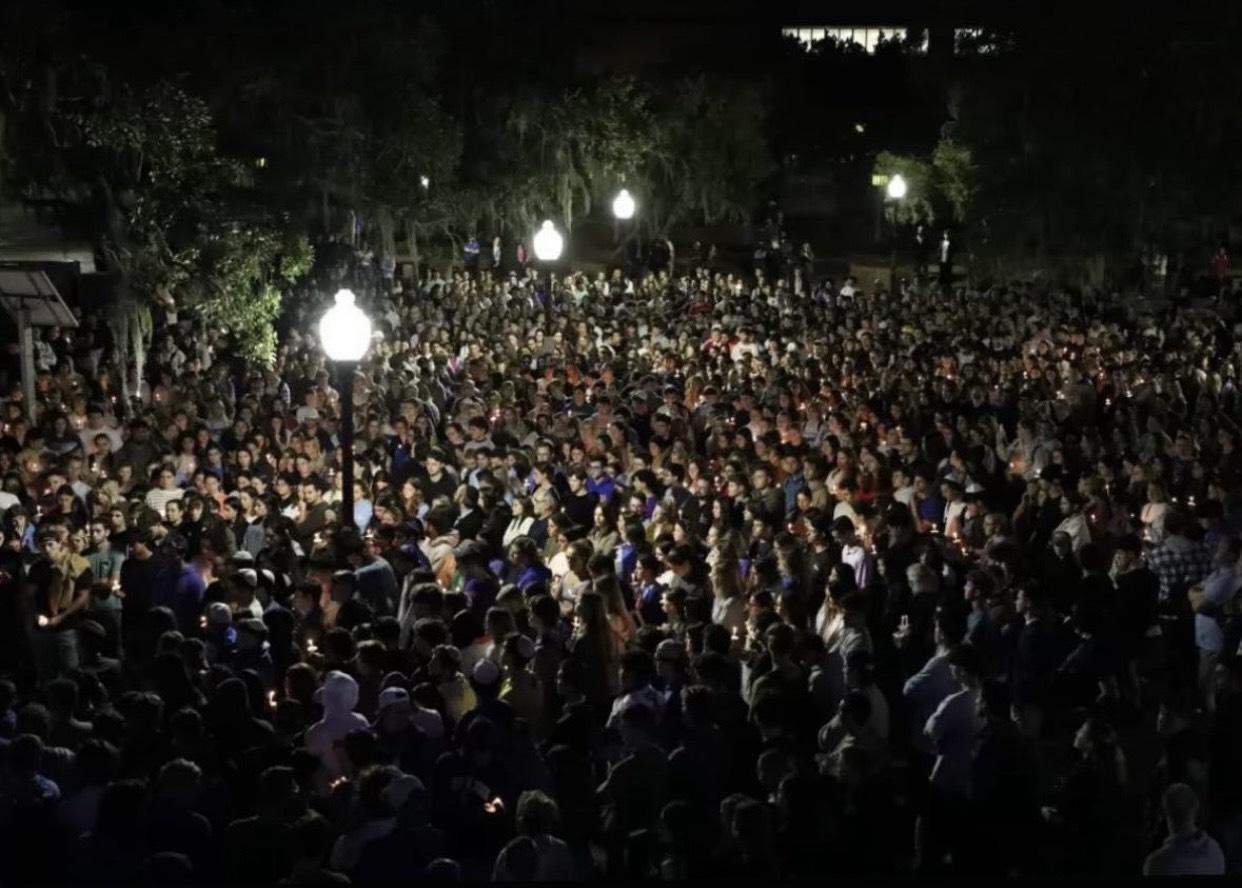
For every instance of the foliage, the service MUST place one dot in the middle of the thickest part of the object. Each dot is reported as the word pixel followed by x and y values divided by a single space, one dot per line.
pixel 954 174
pixel 711 154
pixel 262 133
pixel 917 205
pixel 1099 142
pixel 240 294
pixel 172 214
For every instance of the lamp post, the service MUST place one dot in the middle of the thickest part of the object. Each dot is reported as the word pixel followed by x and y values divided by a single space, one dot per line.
pixel 548 243
pixel 623 207
pixel 345 334
pixel 895 190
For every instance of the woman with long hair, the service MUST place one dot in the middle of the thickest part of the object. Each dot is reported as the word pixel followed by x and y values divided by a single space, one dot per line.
pixel 620 620
pixel 278 431
pixel 603 536
pixel 520 524
pixel 728 598
pixel 1154 511
pixel 411 497
pixel 593 643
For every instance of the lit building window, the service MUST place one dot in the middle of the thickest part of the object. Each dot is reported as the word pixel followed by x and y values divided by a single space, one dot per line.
pixel 977 40
pixel 868 38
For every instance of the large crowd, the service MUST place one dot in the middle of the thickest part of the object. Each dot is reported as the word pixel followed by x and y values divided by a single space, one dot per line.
pixel 671 575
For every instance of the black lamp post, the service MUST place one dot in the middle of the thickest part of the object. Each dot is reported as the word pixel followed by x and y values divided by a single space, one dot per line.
pixel 345 334
pixel 549 244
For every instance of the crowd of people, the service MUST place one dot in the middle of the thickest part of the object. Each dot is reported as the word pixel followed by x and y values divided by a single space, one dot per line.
pixel 679 575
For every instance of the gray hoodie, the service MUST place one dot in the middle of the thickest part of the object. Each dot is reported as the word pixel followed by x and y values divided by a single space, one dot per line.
pixel 339 696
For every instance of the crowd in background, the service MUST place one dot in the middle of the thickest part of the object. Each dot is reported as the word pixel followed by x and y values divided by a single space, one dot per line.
pixel 670 575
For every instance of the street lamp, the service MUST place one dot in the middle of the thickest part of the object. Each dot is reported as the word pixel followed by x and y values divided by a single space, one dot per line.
pixel 548 243
pixel 623 205
pixel 623 208
pixel 896 191
pixel 345 334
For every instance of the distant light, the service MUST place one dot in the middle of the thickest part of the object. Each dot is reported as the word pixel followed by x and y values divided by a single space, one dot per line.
pixel 425 182
pixel 548 242
pixel 623 205
pixel 896 187
pixel 344 329
pixel 859 128
pixel 260 162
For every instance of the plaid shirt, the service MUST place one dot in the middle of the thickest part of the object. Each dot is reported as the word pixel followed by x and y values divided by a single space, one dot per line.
pixel 1179 563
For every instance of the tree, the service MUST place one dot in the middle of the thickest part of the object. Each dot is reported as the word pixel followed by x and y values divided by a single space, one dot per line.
pixel 1105 139
pixel 711 154
pixel 917 205
pixel 176 220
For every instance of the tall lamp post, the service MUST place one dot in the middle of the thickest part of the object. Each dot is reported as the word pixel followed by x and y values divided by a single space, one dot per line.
pixel 895 190
pixel 549 244
pixel 345 334
pixel 623 207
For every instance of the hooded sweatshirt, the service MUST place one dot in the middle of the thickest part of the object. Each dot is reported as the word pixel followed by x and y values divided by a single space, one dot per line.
pixel 339 697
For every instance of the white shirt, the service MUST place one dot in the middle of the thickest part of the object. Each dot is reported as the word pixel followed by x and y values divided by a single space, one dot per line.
pixel 89 435
pixel 858 559
pixel 158 498
pixel 845 510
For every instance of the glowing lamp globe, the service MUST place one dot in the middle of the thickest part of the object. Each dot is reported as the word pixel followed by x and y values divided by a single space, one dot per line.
pixel 623 205
pixel 896 187
pixel 345 330
pixel 548 242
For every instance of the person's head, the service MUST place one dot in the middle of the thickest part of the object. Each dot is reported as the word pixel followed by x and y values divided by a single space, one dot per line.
pixel 1181 809
pixel 178 782
pixel 50 545
pixel 537 814
pixel 966 665
pixel 637 670
pixel 1031 601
